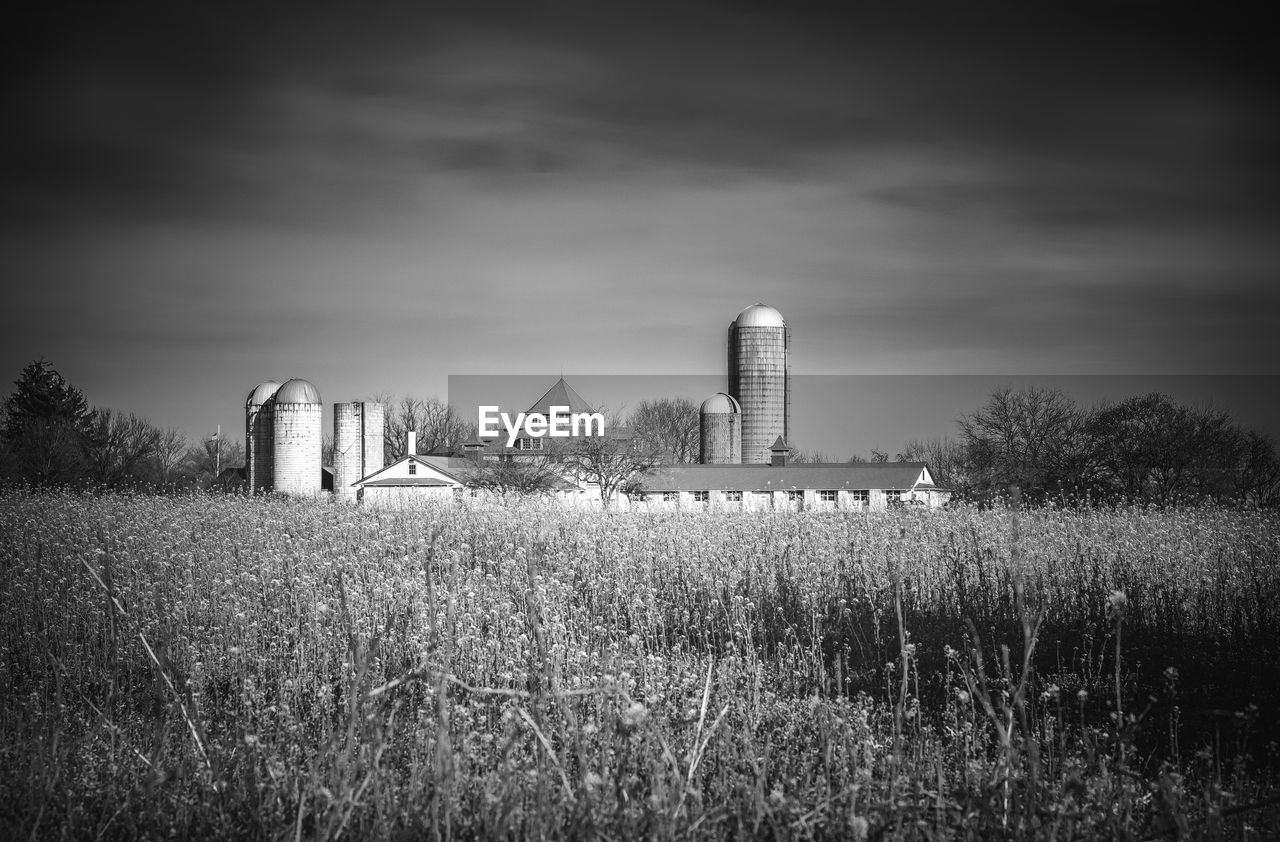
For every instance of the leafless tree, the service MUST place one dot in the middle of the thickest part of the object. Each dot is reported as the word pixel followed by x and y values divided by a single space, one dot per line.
pixel 1035 438
pixel 614 462
pixel 203 459
pixel 523 477
pixel 1258 471
pixel 118 446
pixel 944 456
pixel 435 422
pixel 802 456
pixel 170 448
pixel 669 425
pixel 1152 448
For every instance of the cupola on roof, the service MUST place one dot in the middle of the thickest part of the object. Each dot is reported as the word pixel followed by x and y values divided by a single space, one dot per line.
pixel 759 315
pixel 298 391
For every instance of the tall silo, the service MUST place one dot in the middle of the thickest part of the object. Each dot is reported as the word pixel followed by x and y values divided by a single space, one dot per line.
pixel 759 340
pixel 720 431
pixel 357 444
pixel 259 435
pixel 296 422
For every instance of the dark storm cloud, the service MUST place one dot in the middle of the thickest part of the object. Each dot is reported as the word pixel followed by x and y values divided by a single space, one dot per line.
pixel 367 191
pixel 168 111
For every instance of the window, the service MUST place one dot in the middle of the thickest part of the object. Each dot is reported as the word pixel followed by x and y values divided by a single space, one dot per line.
pixel 529 444
pixel 795 496
pixel 859 498
pixel 892 497
pixel 413 468
pixel 671 496
pixel 701 496
pixel 827 496
pixel 733 496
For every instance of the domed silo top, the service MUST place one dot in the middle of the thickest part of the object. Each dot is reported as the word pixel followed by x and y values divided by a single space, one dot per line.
pixel 759 315
pixel 298 391
pixel 722 404
pixel 262 393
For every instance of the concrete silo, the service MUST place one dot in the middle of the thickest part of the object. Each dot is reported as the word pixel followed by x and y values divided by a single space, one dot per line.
pixel 259 435
pixel 720 431
pixel 759 340
pixel 296 422
pixel 357 444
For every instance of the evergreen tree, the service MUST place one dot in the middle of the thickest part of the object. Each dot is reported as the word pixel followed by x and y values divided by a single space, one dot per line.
pixel 46 420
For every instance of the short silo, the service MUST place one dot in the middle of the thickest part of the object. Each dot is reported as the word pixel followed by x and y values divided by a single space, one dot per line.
pixel 720 431
pixel 296 421
pixel 357 444
pixel 259 435
pixel 759 343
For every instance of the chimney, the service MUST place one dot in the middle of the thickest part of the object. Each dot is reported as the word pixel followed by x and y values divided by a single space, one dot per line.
pixel 779 452
pixel 413 444
pixel 474 449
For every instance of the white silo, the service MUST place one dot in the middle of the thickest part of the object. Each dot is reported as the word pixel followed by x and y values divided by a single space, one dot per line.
pixel 357 444
pixel 759 341
pixel 296 422
pixel 720 431
pixel 259 435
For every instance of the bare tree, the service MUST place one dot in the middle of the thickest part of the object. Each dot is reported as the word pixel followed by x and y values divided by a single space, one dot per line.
pixel 118 446
pixel 669 425
pixel 1035 438
pixel 1258 471
pixel 801 456
pixel 945 458
pixel 524 477
pixel 435 422
pixel 203 458
pixel 614 462
pixel 170 448
pixel 1152 448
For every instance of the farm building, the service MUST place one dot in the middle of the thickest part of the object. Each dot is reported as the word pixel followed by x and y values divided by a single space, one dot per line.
pixel 416 478
pixel 743 456
pixel 834 486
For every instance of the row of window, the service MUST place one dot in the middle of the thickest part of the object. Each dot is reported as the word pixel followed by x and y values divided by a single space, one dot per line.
pixel 793 496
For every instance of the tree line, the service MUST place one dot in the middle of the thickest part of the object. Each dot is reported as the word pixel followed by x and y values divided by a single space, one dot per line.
pixel 1146 449
pixel 51 436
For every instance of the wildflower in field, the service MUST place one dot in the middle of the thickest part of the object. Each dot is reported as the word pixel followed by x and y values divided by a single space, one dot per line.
pixel 635 715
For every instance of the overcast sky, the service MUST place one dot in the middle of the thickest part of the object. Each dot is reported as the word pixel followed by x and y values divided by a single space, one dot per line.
pixel 196 198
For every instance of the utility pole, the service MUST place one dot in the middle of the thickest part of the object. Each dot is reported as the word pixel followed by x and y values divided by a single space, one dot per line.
pixel 217 454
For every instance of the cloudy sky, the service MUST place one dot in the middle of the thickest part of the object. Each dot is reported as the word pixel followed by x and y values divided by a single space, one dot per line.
pixel 197 198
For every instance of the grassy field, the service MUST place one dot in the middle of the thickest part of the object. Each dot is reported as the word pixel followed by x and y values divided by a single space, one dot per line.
pixel 216 666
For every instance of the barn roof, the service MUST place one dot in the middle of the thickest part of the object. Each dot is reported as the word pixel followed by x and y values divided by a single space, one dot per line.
pixel 561 394
pixel 851 476
pixel 419 482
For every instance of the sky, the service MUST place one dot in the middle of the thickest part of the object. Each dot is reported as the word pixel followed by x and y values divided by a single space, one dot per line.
pixel 199 197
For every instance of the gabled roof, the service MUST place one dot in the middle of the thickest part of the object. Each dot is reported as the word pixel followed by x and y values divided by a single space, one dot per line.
pixel 401 482
pixel 448 466
pixel 456 468
pixel 561 394
pixel 850 476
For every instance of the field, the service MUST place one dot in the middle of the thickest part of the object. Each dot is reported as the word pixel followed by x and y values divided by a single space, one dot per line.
pixel 216 667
